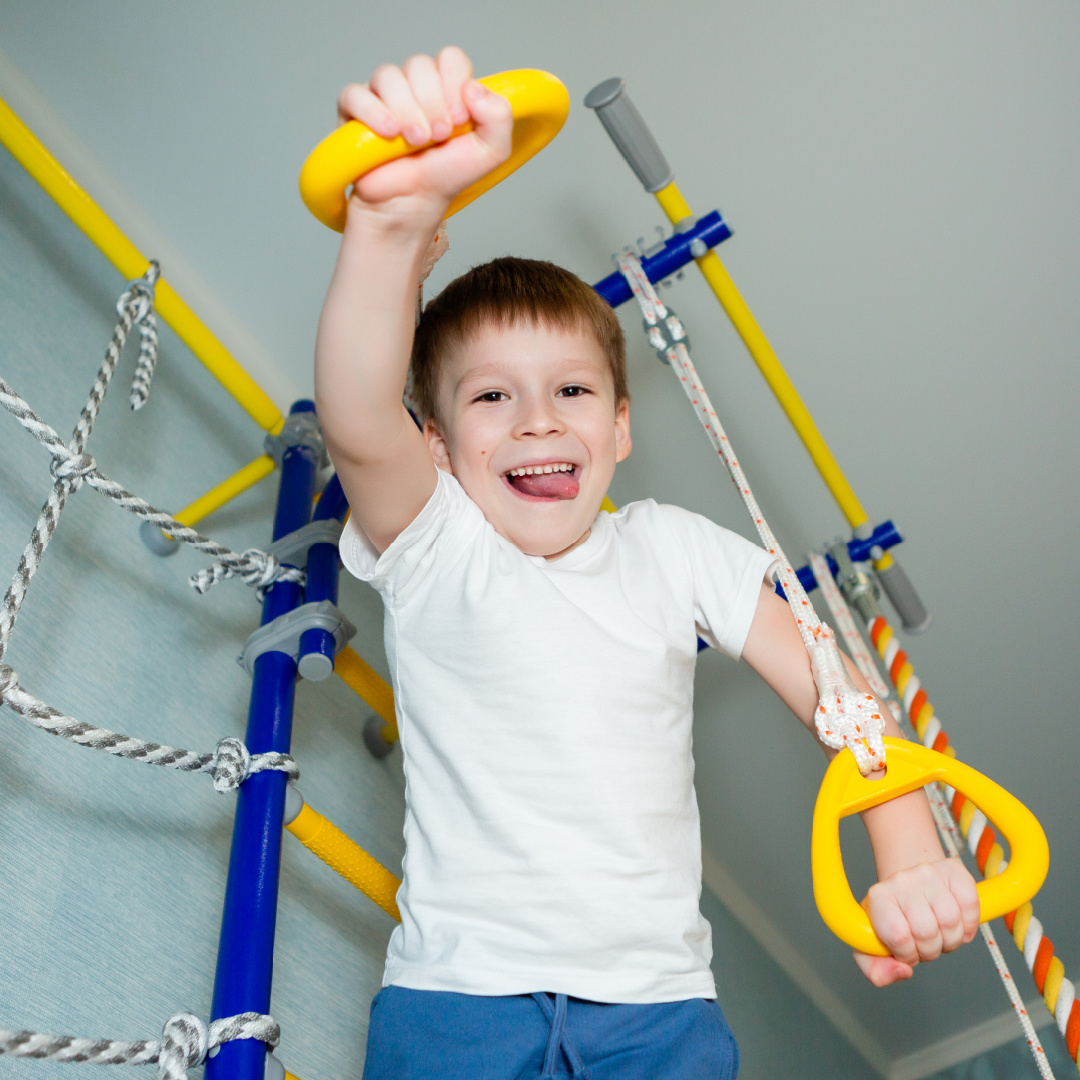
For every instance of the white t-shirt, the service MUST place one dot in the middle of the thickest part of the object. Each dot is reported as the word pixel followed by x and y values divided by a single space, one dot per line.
pixel 545 712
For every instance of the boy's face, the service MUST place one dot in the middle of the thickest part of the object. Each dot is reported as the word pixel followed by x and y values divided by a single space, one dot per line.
pixel 529 425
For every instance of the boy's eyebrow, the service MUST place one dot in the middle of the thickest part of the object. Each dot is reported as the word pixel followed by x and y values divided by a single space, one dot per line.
pixel 568 367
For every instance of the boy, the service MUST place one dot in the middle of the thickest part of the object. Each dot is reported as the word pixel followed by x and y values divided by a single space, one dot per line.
pixel 543 652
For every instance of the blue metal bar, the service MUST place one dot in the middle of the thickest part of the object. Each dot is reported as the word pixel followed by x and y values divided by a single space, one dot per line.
pixel 676 252
pixel 246 950
pixel 322 570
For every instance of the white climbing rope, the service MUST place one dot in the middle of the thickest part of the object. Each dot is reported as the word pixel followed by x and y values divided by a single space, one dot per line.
pixel 943 818
pixel 845 716
pixel 845 623
pixel 185 1042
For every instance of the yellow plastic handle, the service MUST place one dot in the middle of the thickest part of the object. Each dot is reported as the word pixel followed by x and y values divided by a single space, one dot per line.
pixel 540 104
pixel 844 791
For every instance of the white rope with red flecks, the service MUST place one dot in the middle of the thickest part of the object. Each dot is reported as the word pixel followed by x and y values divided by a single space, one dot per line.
pixel 947 826
pixel 846 716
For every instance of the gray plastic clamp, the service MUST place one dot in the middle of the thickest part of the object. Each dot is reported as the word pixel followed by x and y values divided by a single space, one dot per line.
pixel 293 547
pixel 301 429
pixel 857 586
pixel 283 634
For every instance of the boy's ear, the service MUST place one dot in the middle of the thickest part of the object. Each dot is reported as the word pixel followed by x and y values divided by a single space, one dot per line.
pixel 622 431
pixel 437 447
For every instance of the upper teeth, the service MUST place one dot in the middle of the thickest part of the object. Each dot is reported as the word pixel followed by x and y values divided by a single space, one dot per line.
pixel 530 470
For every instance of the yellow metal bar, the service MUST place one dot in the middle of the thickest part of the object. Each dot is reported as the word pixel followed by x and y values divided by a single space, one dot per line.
pixel 227 490
pixel 126 257
pixel 359 676
pixel 322 837
pixel 677 209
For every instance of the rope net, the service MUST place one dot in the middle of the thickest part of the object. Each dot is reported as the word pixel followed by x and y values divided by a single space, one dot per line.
pixel 185 1040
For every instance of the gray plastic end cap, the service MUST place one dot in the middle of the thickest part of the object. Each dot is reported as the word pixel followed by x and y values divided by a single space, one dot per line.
pixel 157 541
pixel 373 737
pixel 604 93
pixel 294 803
pixel 315 667
pixel 274 1069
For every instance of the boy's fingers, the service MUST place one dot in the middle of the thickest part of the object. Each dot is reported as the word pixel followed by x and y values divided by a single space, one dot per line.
pixel 882 970
pixel 962 886
pixel 357 102
pixel 949 920
pixel 390 83
pixel 427 88
pixel 455 69
pixel 924 927
pixel 493 116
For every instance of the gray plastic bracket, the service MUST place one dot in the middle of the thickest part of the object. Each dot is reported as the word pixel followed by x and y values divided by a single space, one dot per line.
pixel 283 634
pixel 293 547
pixel 301 429
pixel 857 586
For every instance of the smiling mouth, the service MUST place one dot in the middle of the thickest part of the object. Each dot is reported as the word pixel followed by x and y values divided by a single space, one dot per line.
pixel 550 481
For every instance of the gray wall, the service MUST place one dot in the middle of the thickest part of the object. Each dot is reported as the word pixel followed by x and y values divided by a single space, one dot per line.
pixel 113 871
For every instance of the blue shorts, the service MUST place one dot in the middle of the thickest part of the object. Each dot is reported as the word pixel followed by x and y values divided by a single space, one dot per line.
pixel 424 1034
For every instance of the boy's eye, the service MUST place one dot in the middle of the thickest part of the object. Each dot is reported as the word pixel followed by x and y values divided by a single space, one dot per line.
pixel 573 391
pixel 491 395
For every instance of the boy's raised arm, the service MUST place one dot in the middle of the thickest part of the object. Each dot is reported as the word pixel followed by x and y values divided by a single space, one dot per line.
pixel 366 328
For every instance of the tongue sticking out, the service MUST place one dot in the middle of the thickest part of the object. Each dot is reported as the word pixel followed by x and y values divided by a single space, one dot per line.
pixel 560 485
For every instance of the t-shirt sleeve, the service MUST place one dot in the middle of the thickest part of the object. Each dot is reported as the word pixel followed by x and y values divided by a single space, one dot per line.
pixel 727 572
pixel 446 519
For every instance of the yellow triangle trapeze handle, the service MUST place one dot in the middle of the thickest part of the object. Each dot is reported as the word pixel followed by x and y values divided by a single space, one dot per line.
pixel 540 104
pixel 845 791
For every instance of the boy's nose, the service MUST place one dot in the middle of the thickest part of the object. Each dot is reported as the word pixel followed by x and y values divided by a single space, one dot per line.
pixel 538 417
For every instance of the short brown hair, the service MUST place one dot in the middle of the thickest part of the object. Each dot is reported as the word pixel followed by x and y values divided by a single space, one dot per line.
pixel 505 292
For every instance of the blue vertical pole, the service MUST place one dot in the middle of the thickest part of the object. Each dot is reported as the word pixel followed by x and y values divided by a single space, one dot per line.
pixel 246 950
pixel 322 572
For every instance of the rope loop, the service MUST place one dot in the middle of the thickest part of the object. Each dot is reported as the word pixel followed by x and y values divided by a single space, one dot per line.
pixel 232 764
pixel 137 300
pixel 185 1041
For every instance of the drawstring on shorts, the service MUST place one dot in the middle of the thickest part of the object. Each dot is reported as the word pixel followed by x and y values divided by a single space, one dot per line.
pixel 558 1040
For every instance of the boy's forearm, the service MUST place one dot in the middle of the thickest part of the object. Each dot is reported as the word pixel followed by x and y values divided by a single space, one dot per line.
pixel 901 831
pixel 365 336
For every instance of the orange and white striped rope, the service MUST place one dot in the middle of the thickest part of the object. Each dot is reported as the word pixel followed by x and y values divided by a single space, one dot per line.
pixel 1048 971
pixel 951 838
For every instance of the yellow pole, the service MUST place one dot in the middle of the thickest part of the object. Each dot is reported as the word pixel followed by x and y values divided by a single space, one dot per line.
pixel 227 490
pixel 131 263
pixel 322 837
pixel 677 209
pixel 360 677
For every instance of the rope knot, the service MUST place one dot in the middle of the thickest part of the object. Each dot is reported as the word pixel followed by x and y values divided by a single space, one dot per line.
pixel 74 468
pixel 184 1043
pixel 845 716
pixel 9 680
pixel 231 766
pixel 263 568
